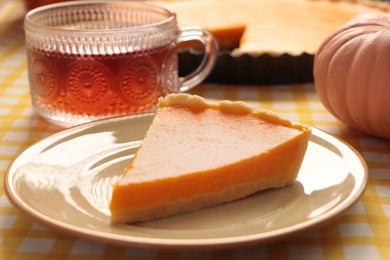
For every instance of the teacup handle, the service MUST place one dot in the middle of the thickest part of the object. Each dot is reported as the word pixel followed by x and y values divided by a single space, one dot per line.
pixel 209 59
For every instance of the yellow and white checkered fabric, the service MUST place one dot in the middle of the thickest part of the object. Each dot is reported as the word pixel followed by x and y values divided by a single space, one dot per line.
pixel 363 232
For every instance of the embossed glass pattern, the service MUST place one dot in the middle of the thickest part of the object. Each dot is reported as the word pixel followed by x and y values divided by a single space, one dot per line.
pixel 94 59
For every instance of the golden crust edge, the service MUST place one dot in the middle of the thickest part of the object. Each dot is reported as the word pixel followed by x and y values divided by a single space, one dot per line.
pixel 197 103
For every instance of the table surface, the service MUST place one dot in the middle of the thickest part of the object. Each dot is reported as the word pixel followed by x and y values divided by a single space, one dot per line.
pixel 363 232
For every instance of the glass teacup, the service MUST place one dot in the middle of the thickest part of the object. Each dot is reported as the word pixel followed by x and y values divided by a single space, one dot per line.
pixel 89 60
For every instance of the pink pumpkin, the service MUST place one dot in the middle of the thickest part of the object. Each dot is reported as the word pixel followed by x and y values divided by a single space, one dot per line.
pixel 352 74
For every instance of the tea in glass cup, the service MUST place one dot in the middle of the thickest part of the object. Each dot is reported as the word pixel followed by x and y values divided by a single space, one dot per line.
pixel 89 60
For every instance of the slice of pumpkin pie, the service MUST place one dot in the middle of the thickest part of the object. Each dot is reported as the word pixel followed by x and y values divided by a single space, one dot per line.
pixel 197 154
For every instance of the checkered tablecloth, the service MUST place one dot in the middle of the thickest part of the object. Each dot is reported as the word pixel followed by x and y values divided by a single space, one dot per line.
pixel 363 232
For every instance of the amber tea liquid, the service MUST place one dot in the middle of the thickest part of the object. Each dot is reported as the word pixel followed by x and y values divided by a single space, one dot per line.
pixel 74 87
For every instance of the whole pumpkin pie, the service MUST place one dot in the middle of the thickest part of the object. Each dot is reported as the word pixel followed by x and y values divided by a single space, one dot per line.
pixel 265 41
pixel 197 155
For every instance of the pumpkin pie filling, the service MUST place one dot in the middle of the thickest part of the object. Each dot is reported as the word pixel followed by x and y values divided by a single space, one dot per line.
pixel 198 154
pixel 276 27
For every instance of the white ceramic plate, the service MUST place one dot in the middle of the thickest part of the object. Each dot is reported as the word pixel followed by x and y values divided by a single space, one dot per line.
pixel 64 182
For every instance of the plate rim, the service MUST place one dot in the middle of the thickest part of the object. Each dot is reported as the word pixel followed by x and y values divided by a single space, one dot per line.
pixel 176 243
